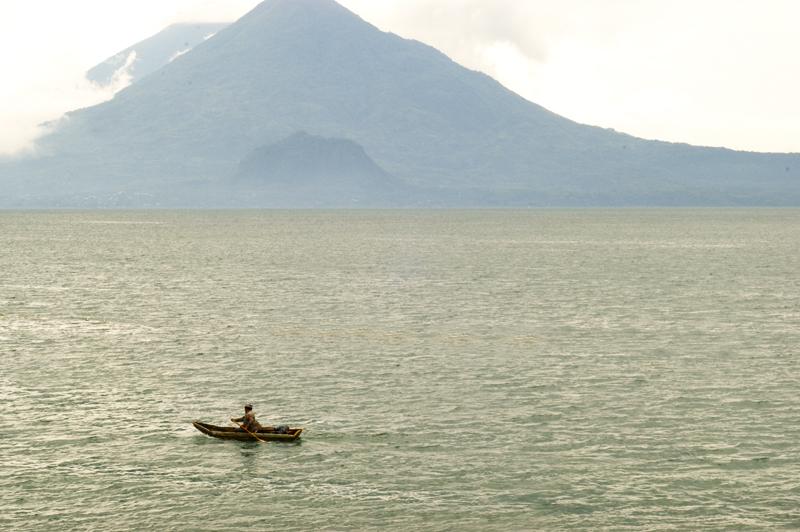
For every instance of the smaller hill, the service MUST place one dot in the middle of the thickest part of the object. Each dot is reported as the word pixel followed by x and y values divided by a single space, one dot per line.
pixel 310 170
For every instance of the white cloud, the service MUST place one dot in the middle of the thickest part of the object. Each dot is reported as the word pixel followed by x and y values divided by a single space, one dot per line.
pixel 178 54
pixel 46 46
pixel 122 76
pixel 713 72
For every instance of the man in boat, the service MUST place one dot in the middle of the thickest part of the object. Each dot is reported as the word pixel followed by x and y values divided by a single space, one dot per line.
pixel 248 420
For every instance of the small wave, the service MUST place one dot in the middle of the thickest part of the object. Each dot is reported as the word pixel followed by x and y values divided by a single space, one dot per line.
pixel 119 222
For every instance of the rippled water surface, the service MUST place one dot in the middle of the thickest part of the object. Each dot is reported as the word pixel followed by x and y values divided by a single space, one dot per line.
pixel 486 370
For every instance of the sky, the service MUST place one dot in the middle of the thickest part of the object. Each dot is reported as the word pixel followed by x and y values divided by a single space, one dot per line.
pixel 706 72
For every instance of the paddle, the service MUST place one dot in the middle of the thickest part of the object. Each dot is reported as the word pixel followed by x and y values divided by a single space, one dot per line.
pixel 247 431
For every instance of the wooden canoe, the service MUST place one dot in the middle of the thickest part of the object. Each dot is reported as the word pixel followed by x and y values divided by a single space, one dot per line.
pixel 235 433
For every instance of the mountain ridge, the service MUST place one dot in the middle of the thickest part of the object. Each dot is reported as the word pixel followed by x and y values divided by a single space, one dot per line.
pixel 151 54
pixel 312 65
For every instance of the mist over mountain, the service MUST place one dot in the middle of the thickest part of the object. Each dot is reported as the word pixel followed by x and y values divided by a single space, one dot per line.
pixel 149 55
pixel 440 134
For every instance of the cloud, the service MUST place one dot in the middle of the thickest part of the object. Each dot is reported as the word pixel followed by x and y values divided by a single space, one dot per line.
pixel 177 55
pixel 712 72
pixel 41 106
pixel 464 29
pixel 122 76
pixel 46 46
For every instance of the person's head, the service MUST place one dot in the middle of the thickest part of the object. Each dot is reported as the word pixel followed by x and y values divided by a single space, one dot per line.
pixel 248 407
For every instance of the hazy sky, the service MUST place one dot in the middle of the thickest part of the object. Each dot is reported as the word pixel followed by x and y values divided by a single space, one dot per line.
pixel 709 72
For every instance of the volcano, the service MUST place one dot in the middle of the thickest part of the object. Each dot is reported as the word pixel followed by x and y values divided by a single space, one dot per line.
pixel 430 131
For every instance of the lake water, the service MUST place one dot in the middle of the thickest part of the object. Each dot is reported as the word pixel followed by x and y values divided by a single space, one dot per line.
pixel 453 370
